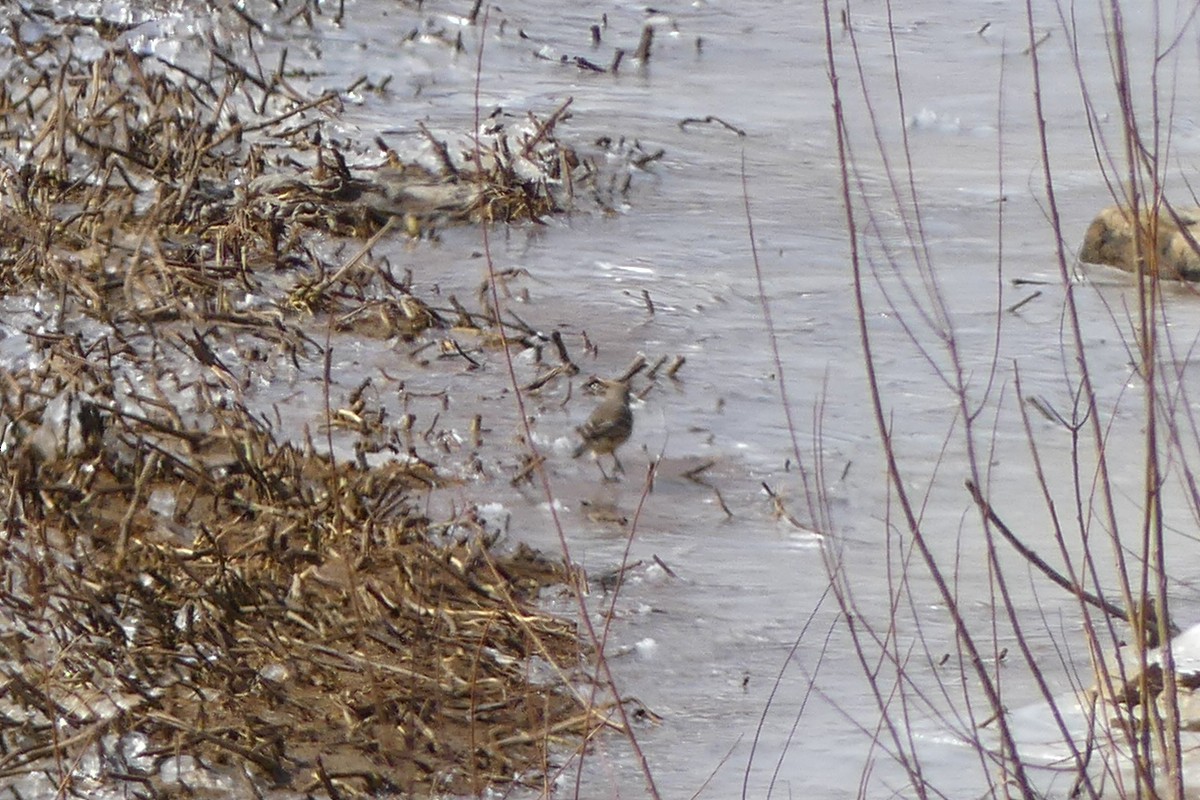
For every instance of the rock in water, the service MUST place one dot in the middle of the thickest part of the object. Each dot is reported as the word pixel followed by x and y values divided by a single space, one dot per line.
pixel 1111 237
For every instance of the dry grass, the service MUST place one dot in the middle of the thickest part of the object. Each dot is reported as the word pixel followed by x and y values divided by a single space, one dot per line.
pixel 183 583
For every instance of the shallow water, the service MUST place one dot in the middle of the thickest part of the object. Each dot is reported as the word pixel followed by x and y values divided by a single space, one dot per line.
pixel 704 649
pixel 710 648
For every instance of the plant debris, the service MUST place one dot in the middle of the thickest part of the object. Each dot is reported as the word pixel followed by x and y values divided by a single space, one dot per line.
pixel 195 590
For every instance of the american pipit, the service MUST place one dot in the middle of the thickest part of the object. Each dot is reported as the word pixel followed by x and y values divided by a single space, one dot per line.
pixel 608 427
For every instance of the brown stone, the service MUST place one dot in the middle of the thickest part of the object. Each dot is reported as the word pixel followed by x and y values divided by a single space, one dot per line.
pixel 1111 237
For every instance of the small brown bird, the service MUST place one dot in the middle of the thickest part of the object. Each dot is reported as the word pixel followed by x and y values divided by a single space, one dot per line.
pixel 608 427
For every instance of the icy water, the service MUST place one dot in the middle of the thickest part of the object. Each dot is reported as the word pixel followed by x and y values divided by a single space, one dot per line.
pixel 736 645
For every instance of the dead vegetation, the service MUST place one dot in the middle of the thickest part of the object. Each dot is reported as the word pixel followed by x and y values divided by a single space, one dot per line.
pixel 234 600
pixel 190 587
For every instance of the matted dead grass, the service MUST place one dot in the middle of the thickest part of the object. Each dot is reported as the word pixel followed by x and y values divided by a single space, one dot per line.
pixel 187 590
pixel 235 600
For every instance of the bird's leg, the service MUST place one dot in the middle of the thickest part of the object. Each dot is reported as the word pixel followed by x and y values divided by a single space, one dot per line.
pixel 613 477
pixel 617 463
pixel 607 477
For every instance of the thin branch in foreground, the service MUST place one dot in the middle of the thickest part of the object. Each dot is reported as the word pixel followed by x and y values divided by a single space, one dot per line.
pixel 1112 609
